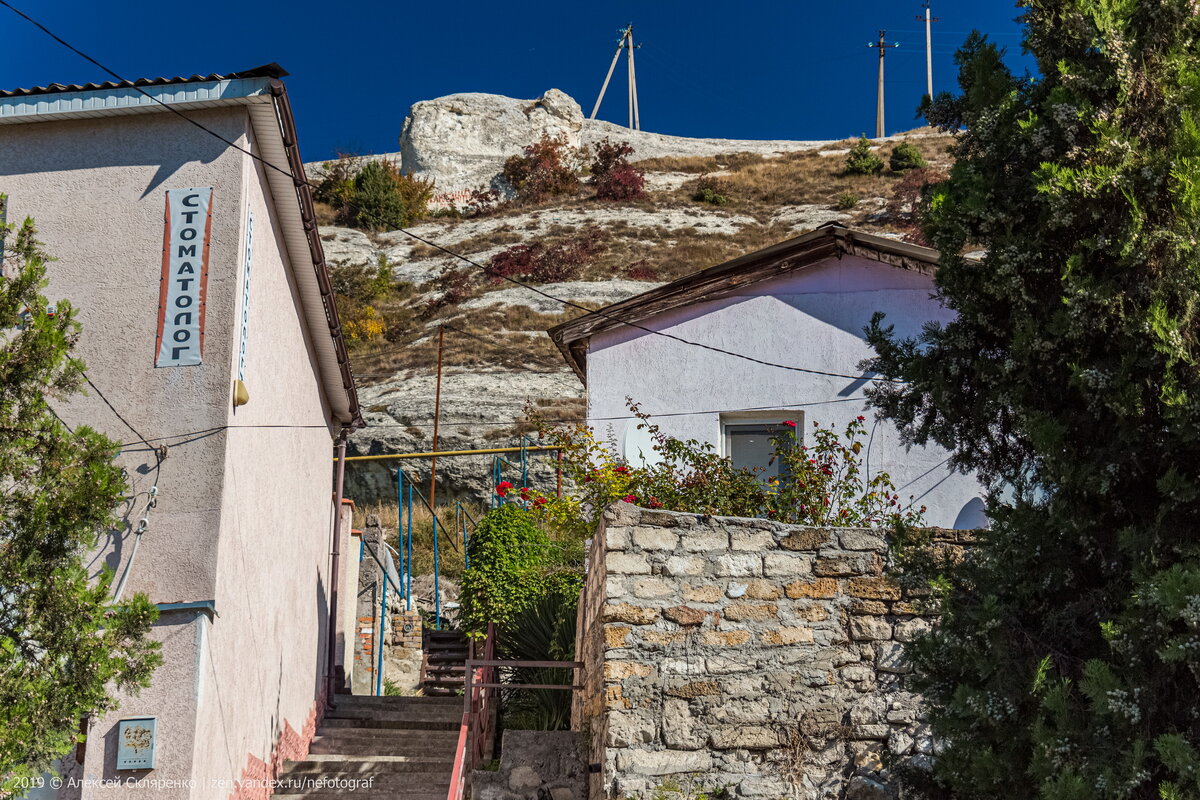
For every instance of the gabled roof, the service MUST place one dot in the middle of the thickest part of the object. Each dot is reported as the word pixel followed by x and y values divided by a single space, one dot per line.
pixel 831 240
pixel 265 98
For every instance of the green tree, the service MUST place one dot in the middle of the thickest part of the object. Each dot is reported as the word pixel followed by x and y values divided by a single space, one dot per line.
pixel 64 645
pixel 1067 660
pixel 383 199
pixel 861 160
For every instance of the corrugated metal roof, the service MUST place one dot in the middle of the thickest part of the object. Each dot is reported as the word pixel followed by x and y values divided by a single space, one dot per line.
pixel 271 70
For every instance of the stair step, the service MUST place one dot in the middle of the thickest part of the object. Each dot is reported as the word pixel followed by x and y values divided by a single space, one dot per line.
pixel 330 726
pixel 353 785
pixel 416 794
pixel 345 764
pixel 414 703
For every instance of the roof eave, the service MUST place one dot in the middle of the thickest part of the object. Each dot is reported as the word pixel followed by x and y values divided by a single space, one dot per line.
pixel 572 337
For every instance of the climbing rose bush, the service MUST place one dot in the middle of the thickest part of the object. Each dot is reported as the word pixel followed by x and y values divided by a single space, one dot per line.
pixel 822 482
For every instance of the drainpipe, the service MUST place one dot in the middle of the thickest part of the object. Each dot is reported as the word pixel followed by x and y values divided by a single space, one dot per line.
pixel 335 566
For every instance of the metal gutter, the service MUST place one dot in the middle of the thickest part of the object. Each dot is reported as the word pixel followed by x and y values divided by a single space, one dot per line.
pixel 308 218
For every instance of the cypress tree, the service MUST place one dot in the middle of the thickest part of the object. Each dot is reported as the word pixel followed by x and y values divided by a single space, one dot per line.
pixel 64 644
pixel 1067 662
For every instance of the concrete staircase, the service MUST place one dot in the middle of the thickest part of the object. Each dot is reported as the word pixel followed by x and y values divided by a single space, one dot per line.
pixel 404 747
pixel 443 665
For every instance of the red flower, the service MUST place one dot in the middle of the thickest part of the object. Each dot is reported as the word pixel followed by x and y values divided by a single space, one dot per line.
pixel 503 487
pixel 653 502
pixel 861 418
pixel 622 470
pixel 629 498
pixel 541 501
pixel 791 423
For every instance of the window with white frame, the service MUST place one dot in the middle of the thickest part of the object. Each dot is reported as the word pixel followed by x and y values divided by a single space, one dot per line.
pixel 748 438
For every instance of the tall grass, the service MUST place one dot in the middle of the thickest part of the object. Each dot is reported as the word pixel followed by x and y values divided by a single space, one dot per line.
pixel 450 544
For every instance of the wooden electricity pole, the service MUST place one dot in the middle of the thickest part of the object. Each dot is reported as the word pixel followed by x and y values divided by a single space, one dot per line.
pixel 437 415
pixel 928 51
pixel 882 44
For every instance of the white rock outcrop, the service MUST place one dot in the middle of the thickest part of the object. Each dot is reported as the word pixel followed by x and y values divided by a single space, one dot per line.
pixel 462 140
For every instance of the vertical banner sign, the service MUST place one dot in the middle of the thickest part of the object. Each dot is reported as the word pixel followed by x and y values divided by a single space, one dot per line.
pixel 246 258
pixel 182 290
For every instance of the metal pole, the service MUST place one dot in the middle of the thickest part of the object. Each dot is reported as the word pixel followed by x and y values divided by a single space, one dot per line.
pixel 400 524
pixel 437 414
pixel 437 593
pixel 335 566
pixel 379 644
pixel 607 78
pixel 408 587
pixel 558 475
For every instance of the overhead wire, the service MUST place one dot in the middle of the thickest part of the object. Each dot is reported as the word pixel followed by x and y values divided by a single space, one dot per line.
pixel 486 269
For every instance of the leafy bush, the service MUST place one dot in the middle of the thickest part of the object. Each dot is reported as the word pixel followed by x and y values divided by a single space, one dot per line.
pixel 861 161
pixel 846 201
pixel 707 189
pixel 547 263
pixel 906 156
pixel 481 202
pixel 362 292
pixel 336 187
pixel 513 563
pixel 547 168
pixel 384 199
pixel 612 174
pixel 821 483
pixel 909 198
pixel 455 286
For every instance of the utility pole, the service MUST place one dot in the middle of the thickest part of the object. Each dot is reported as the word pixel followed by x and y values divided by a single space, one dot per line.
pixel 437 416
pixel 928 51
pixel 624 43
pixel 882 44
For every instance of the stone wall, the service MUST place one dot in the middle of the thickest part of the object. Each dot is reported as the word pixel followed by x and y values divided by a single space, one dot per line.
pixel 746 654
pixel 534 765
pixel 402 629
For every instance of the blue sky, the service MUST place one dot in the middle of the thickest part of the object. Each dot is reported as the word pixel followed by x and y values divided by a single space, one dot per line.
pixel 754 70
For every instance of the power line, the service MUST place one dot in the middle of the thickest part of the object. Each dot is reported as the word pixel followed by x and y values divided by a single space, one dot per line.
pixel 488 270
pixel 478 423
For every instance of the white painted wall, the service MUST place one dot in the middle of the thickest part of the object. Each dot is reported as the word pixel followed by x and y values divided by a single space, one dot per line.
pixel 812 318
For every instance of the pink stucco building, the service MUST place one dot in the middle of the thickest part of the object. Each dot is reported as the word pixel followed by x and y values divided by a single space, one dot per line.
pixel 200 281
pixel 800 303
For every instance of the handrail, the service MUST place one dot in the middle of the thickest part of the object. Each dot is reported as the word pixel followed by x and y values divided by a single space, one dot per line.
pixel 478 695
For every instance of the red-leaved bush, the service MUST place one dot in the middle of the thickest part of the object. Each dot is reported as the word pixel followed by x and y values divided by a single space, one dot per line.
pixel 905 208
pixel 612 174
pixel 547 263
pixel 546 168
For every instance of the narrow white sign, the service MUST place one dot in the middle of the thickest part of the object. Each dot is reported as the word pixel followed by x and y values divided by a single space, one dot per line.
pixel 184 283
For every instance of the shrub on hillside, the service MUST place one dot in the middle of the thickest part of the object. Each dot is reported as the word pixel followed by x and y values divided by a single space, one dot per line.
pixel 481 202
pixel 384 199
pixel 336 187
pixel 547 263
pixel 612 174
pixel 906 156
pixel 861 160
pixel 707 189
pixel 906 206
pixel 846 201
pixel 547 168
pixel 368 300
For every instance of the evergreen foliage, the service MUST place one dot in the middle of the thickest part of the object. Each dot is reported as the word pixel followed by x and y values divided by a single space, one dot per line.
pixel 1067 662
pixel 383 199
pixel 64 645
pixel 861 161
pixel 906 156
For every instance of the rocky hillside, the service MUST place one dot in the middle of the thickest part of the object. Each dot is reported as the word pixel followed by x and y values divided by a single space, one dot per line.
pixel 498 359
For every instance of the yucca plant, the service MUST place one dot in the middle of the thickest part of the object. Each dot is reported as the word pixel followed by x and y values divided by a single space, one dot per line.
pixel 544 631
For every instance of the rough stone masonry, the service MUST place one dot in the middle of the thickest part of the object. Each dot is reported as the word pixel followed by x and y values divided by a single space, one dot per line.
pixel 743 654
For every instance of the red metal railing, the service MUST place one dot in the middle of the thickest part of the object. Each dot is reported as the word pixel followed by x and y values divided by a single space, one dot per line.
pixel 481 697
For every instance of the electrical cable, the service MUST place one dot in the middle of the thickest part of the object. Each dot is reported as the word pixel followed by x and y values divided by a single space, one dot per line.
pixel 488 270
pixel 476 423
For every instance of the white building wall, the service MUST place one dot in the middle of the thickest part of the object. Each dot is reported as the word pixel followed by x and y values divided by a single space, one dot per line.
pixel 813 318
